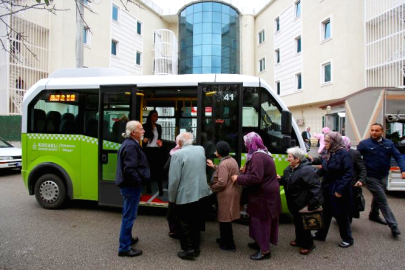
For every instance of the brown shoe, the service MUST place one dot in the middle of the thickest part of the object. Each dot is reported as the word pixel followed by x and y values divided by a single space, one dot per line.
pixel 293 244
pixel 304 251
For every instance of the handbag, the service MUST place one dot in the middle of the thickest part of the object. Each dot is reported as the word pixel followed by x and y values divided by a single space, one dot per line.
pixel 312 220
pixel 359 201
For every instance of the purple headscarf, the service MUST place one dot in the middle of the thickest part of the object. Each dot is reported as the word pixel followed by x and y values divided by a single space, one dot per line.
pixel 336 143
pixel 347 142
pixel 254 143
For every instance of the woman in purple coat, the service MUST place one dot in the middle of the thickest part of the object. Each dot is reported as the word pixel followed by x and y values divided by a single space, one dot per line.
pixel 264 204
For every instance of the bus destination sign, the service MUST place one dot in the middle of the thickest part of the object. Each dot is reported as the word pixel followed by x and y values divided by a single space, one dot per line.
pixel 62 98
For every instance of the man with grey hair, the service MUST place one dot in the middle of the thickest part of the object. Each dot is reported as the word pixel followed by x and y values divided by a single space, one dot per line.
pixel 187 187
pixel 132 170
pixel 303 189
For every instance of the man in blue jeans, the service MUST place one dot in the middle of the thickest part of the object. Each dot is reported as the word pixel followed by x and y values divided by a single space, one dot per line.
pixel 132 169
pixel 377 152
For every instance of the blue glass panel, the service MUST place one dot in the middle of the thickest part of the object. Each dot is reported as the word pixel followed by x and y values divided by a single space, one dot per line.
pixel 216 61
pixel 84 36
pixel 138 58
pixel 207 49
pixel 189 19
pixel 327 73
pixel 298 45
pixel 182 44
pixel 298 9
pixel 217 7
pixel 225 29
pixel 233 31
pixel 216 39
pixel 225 18
pixel 216 50
pixel 189 63
pixel 206 61
pixel 198 28
pixel 207 16
pixel 197 39
pixel 232 20
pixel 115 13
pixel 182 64
pixel 198 17
pixel 232 12
pixel 197 70
pixel 206 70
pixel 207 39
pixel 225 9
pixel 207 27
pixel 216 70
pixel 190 10
pixel 216 28
pixel 183 13
pixel 197 61
pixel 207 6
pixel 138 28
pixel 216 17
pixel 197 50
pixel 197 7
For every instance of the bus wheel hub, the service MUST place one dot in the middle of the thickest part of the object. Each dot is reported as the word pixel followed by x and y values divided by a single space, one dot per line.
pixel 49 191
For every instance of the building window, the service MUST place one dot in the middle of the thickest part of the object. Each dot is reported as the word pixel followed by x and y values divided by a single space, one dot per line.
pixel 326 29
pixel 298 44
pixel 297 9
pixel 262 64
pixel 86 36
pixel 298 81
pixel 138 58
pixel 327 73
pixel 114 47
pixel 278 87
pixel 262 36
pixel 277 56
pixel 277 24
pixel 139 28
pixel 115 10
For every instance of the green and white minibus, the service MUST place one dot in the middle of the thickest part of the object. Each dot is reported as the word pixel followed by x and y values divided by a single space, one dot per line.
pixel 73 120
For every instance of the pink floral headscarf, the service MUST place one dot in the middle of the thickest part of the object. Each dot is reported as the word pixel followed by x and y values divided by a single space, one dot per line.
pixel 336 143
pixel 347 142
pixel 254 143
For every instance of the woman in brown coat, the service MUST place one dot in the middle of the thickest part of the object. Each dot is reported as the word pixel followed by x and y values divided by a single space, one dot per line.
pixel 228 194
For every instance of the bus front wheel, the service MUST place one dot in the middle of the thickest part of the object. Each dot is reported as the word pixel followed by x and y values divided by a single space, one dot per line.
pixel 50 191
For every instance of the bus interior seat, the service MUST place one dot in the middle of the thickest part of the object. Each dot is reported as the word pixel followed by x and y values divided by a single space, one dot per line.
pixel 117 129
pixel 67 126
pixel 92 128
pixel 68 116
pixel 39 120
pixel 53 119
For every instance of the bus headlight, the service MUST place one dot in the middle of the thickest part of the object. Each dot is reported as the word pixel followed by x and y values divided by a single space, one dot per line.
pixel 5 158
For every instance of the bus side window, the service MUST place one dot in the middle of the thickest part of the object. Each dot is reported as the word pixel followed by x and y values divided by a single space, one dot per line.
pixel 39 120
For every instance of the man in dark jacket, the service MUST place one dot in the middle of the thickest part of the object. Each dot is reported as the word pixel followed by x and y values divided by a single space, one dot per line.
pixel 132 169
pixel 303 188
pixel 377 152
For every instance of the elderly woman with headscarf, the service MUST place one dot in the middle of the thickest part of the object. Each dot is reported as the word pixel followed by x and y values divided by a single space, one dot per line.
pixel 264 204
pixel 228 194
pixel 358 174
pixel 337 169
pixel 321 138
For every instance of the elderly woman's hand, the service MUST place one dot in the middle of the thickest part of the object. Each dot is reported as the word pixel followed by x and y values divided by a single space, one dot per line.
pixel 338 195
pixel 234 178
pixel 210 163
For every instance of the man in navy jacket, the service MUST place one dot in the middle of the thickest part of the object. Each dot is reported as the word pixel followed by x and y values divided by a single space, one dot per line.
pixel 132 170
pixel 377 152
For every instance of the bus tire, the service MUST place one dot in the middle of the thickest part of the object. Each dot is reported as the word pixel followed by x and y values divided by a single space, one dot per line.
pixel 50 191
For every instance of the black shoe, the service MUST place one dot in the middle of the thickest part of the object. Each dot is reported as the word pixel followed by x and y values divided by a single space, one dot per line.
pixel 134 240
pixel 260 256
pixel 219 241
pixel 395 231
pixel 344 244
pixel 231 248
pixel 130 253
pixel 254 246
pixel 314 236
pixel 187 255
pixel 174 235
pixel 377 219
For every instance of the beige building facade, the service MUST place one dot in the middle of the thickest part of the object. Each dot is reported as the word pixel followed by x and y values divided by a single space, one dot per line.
pixel 312 52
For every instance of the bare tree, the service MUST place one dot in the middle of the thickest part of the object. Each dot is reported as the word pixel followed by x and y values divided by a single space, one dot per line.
pixel 13 7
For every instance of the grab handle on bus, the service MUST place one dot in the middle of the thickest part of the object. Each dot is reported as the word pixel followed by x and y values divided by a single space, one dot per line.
pixel 104 158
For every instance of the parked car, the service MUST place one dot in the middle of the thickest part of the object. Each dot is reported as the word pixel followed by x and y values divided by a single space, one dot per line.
pixel 10 156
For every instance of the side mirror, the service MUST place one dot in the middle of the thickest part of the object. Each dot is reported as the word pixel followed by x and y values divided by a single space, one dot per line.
pixel 286 122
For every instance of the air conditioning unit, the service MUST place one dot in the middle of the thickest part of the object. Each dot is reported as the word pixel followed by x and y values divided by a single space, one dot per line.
pixel 300 122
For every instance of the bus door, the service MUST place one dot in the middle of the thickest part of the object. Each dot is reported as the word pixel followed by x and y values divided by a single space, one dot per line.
pixel 219 113
pixel 118 104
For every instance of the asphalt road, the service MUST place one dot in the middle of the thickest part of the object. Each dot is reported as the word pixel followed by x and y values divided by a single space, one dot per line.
pixel 85 236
